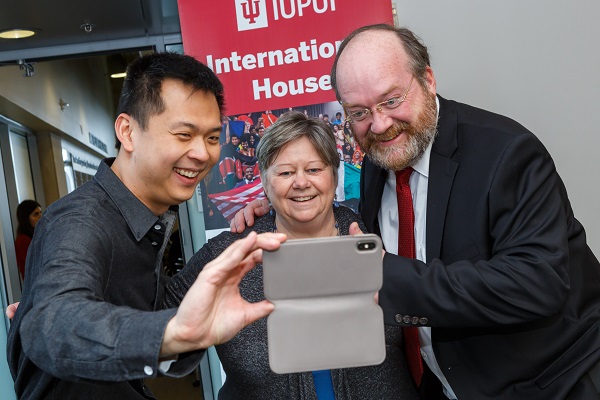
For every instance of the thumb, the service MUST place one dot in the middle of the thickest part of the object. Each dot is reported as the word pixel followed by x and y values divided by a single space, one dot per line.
pixel 354 229
pixel 259 310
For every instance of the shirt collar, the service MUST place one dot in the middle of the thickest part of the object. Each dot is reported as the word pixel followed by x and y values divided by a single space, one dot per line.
pixel 139 218
pixel 422 166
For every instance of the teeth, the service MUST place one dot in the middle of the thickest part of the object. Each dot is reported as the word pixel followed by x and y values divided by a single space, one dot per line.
pixel 188 174
pixel 299 199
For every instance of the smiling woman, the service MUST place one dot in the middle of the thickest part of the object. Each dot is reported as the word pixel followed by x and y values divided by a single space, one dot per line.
pixel 300 175
pixel 298 160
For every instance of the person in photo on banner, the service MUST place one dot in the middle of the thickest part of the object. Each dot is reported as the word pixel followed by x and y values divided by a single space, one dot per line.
pixel 500 281
pixel 248 176
pixel 299 163
pixel 245 148
pixel 268 118
pixel 235 151
pixel 90 324
pixel 338 119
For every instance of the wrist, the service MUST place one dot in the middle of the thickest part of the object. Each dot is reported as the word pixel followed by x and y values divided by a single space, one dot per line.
pixel 178 339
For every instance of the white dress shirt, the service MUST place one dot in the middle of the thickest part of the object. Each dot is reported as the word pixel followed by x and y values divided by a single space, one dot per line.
pixel 388 221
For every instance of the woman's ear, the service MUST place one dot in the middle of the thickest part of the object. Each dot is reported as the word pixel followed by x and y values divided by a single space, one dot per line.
pixel 266 195
pixel 124 130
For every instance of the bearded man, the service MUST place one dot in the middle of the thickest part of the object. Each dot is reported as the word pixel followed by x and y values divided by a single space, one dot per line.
pixel 485 264
pixel 499 279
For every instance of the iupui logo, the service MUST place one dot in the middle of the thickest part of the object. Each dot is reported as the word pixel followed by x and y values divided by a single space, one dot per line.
pixel 251 14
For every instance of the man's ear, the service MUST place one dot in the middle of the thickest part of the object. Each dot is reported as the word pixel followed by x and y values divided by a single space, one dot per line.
pixel 124 129
pixel 430 78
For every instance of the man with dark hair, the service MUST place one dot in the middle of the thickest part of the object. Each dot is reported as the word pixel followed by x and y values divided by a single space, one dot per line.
pixel 338 119
pixel 89 325
pixel 248 176
pixel 235 142
pixel 485 265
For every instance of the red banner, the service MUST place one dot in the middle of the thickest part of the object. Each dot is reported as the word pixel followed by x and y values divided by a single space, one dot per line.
pixel 273 54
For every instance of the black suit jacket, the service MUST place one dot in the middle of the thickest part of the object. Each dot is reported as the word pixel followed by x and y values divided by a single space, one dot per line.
pixel 510 288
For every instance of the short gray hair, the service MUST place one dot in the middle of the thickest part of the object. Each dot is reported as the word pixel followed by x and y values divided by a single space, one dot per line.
pixel 294 125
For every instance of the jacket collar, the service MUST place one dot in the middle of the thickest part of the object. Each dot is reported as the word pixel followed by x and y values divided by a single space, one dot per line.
pixel 139 218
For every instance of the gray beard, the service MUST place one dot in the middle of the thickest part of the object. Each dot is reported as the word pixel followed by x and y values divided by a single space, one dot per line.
pixel 420 133
pixel 398 158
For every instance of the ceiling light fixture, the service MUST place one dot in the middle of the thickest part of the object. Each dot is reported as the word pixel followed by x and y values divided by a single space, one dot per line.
pixel 119 75
pixel 16 33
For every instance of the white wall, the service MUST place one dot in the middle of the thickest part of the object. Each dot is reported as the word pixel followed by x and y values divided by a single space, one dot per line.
pixel 22 167
pixel 81 83
pixel 536 61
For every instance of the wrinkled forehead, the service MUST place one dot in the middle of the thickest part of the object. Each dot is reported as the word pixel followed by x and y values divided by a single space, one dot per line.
pixel 371 60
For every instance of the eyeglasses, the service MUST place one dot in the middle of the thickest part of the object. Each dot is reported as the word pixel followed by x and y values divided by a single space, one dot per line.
pixel 386 105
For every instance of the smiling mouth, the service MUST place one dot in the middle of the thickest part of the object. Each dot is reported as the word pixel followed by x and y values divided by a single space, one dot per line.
pixel 389 139
pixel 186 173
pixel 302 199
pixel 390 134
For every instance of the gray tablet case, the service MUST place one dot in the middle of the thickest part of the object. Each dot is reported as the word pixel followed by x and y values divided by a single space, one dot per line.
pixel 325 314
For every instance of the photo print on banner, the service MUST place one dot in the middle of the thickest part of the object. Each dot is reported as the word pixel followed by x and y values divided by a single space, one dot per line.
pixel 272 56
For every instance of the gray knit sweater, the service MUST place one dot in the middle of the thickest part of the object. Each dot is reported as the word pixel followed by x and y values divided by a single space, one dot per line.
pixel 245 357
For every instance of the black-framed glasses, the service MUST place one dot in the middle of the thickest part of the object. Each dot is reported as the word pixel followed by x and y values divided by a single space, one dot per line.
pixel 386 105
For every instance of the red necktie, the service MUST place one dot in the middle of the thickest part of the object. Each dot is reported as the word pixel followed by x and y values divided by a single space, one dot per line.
pixel 406 248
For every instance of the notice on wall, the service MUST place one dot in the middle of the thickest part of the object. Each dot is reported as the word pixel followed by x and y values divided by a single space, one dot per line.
pixel 273 54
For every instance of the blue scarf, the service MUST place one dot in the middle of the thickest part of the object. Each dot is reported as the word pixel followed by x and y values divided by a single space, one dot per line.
pixel 323 385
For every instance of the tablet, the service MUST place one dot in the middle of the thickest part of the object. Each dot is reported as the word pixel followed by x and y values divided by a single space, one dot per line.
pixel 325 314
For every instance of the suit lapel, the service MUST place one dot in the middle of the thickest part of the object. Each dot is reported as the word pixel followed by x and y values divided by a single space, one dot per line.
pixel 372 181
pixel 442 170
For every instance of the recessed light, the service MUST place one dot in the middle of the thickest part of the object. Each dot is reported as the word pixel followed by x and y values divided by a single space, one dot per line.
pixel 119 75
pixel 17 33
